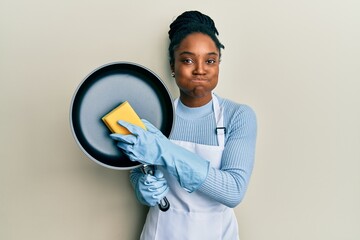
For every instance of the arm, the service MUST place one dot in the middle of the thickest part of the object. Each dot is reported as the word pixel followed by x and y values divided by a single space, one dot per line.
pixel 228 185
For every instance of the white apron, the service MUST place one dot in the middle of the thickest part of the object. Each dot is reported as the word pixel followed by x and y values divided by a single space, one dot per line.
pixel 193 216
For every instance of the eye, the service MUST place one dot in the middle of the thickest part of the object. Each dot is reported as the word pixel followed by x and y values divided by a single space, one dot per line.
pixel 187 61
pixel 211 61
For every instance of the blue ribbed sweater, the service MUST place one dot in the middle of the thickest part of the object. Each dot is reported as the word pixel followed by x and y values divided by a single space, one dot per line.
pixel 228 184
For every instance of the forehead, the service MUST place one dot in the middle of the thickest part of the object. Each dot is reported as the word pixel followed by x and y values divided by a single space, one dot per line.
pixel 197 43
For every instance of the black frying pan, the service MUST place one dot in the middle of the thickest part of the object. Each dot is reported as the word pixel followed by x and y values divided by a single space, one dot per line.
pixel 104 89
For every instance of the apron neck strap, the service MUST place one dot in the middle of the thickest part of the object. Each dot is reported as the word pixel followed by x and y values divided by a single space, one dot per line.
pixel 219 119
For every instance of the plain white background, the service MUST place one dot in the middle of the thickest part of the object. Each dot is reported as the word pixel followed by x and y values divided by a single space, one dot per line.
pixel 295 62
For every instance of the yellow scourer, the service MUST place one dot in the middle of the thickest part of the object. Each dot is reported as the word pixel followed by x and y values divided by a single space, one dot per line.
pixel 123 112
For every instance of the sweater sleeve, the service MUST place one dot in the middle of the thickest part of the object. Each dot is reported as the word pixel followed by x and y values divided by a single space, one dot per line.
pixel 228 184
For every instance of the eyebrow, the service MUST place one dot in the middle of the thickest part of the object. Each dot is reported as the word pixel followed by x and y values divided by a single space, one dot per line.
pixel 190 53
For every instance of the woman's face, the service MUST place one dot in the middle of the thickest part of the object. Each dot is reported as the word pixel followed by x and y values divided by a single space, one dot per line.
pixel 196 68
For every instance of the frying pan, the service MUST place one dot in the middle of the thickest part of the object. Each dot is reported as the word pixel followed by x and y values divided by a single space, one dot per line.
pixel 104 89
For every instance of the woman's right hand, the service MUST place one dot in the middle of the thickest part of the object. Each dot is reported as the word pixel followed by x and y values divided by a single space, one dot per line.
pixel 150 189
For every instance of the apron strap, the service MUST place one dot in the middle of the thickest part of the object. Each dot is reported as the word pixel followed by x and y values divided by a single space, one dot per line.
pixel 219 119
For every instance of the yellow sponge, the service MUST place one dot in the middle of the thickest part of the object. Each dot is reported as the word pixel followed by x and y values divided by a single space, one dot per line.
pixel 123 112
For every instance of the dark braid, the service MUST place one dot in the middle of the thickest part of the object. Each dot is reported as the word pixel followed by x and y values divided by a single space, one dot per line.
pixel 190 22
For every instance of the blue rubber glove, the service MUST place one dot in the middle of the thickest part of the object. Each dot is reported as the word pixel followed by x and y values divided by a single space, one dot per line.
pixel 150 189
pixel 153 148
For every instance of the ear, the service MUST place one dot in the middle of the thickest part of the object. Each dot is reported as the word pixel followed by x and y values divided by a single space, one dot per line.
pixel 172 68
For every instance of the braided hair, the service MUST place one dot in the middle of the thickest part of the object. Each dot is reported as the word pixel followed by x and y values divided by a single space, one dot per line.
pixel 191 22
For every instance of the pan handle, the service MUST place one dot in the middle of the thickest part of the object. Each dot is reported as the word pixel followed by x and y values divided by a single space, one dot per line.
pixel 164 204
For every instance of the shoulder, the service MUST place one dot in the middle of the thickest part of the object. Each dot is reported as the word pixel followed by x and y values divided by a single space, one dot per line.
pixel 236 110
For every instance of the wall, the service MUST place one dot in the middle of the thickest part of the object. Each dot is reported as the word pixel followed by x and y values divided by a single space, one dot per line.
pixel 295 62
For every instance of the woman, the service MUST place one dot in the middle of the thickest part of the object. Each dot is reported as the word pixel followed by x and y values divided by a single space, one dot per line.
pixel 205 168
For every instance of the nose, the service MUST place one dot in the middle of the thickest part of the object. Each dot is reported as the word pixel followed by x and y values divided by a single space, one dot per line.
pixel 200 68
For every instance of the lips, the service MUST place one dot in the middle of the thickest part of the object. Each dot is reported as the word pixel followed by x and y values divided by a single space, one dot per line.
pixel 200 80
